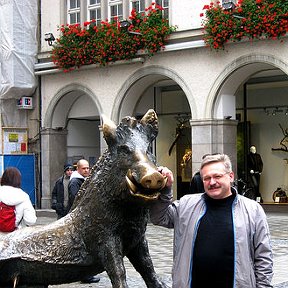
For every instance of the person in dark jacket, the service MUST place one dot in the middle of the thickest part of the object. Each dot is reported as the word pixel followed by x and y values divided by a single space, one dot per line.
pixel 76 180
pixel 60 192
pixel 196 184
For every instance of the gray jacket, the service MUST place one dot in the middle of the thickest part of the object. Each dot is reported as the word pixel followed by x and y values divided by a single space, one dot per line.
pixel 253 253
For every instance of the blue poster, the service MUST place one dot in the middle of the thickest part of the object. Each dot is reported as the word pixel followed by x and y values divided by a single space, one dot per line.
pixel 26 165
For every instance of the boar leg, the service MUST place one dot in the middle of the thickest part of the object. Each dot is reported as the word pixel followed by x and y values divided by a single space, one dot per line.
pixel 114 265
pixel 140 258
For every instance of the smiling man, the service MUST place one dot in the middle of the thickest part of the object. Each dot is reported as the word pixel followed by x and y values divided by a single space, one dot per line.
pixel 221 238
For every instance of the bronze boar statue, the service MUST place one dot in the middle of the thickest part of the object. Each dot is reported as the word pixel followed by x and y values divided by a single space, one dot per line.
pixel 107 221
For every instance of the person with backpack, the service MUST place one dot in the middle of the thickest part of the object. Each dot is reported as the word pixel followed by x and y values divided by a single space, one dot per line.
pixel 16 209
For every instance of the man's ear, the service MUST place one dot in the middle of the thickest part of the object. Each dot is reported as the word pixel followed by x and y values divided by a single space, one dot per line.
pixel 232 176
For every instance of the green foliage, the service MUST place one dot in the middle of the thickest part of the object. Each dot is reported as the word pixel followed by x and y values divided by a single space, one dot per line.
pixel 108 42
pixel 251 19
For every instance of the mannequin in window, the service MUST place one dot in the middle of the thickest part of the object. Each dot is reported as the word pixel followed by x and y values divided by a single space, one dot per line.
pixel 255 167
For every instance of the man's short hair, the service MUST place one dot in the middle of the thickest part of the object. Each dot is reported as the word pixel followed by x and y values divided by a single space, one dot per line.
pixel 215 158
pixel 81 162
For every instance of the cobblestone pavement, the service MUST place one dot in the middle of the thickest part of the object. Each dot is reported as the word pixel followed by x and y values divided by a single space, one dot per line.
pixel 160 244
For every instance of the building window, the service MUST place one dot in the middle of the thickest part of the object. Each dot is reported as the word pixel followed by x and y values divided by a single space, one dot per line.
pixel 165 5
pixel 138 5
pixel 116 10
pixel 94 10
pixel 73 11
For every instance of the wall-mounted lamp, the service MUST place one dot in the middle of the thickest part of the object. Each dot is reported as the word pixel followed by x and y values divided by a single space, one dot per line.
pixel 49 37
pixel 125 24
pixel 228 5
pixel 278 110
pixel 238 16
pixel 134 32
pixel 275 111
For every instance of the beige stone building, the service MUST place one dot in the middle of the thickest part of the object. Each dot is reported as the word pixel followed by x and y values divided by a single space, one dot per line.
pixel 225 100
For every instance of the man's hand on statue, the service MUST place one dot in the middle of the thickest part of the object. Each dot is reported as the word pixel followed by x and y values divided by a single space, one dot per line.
pixel 167 173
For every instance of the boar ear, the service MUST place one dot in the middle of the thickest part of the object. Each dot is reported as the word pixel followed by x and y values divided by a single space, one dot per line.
pixel 108 128
pixel 151 118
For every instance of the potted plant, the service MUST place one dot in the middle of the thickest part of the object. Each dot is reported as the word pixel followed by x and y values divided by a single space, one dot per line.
pixel 250 19
pixel 109 42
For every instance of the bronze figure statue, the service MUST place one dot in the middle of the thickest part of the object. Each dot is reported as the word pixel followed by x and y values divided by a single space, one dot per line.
pixel 107 221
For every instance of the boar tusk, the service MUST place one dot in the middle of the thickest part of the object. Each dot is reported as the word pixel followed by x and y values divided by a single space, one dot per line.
pixel 131 185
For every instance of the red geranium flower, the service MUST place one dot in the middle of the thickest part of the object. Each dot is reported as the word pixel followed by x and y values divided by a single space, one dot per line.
pixel 79 46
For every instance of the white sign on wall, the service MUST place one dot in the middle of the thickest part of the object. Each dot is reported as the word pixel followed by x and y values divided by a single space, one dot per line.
pixel 14 140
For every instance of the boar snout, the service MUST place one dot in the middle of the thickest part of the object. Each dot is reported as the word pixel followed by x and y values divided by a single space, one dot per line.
pixel 153 180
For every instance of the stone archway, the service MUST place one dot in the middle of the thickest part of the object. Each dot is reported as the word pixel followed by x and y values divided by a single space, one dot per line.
pixel 73 104
pixel 139 81
pixel 163 90
pixel 235 74
pixel 64 99
pixel 245 77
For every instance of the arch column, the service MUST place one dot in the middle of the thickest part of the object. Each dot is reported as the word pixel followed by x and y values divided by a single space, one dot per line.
pixel 213 136
pixel 54 156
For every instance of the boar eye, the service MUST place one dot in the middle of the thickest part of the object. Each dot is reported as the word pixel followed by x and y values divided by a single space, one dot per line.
pixel 151 156
pixel 124 149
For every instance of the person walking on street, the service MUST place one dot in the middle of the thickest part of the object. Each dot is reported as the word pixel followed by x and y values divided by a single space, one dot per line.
pixel 60 192
pixel 77 178
pixel 221 238
pixel 11 194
